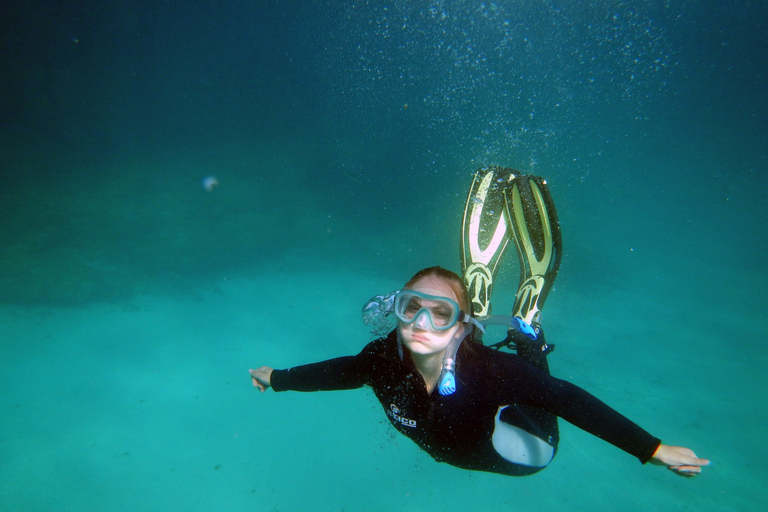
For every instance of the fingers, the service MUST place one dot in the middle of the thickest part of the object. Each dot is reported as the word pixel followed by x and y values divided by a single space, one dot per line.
pixel 257 384
pixel 681 461
pixel 687 458
pixel 694 461
pixel 685 471
pixel 687 464
pixel 258 380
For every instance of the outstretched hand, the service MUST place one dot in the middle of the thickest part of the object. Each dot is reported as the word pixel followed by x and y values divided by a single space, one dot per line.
pixel 261 377
pixel 681 461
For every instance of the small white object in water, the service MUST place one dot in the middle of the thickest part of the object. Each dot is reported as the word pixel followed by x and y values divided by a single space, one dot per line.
pixel 209 182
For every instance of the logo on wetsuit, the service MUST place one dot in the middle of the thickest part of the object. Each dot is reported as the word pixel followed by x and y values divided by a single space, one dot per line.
pixel 394 412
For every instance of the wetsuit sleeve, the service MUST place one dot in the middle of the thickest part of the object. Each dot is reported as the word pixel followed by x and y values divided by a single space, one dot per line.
pixel 587 412
pixel 334 374
pixel 529 386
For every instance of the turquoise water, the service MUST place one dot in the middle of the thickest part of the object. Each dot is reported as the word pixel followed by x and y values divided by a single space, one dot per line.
pixel 343 137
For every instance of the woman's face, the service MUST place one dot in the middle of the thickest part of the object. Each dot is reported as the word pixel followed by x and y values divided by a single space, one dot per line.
pixel 426 341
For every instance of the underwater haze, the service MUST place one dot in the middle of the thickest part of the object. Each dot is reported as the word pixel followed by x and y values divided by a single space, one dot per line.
pixel 192 189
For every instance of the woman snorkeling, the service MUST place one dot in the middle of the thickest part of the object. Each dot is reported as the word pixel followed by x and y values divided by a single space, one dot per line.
pixel 481 409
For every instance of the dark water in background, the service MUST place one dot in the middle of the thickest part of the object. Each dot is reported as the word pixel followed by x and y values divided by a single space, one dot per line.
pixel 652 114
pixel 344 135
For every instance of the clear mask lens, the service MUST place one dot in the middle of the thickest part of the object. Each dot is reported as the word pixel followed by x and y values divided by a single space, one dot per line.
pixel 426 311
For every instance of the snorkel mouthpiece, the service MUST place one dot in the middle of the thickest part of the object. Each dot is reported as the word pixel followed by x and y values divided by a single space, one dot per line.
pixel 448 378
pixel 524 327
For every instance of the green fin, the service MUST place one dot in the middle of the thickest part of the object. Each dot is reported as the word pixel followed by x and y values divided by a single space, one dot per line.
pixel 533 219
pixel 485 235
pixel 501 205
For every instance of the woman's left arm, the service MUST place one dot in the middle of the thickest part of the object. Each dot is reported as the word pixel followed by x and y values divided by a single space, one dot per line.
pixel 681 461
pixel 584 410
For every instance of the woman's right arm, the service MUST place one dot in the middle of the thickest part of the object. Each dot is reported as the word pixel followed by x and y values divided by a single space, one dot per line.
pixel 334 374
pixel 349 372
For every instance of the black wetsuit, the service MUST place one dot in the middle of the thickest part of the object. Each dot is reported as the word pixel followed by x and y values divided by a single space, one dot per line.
pixel 458 428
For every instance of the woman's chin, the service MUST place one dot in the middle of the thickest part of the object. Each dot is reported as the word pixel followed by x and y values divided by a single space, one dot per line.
pixel 416 346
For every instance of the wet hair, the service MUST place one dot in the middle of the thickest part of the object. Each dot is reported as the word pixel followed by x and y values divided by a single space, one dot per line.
pixel 459 289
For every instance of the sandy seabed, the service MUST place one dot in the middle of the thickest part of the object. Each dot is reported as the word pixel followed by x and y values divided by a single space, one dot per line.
pixel 147 405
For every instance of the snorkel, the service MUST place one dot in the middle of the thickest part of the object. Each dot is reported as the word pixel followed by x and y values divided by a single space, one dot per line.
pixel 447 381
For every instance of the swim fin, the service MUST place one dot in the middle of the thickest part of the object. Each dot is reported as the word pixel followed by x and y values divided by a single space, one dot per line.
pixel 533 219
pixel 485 235
pixel 502 205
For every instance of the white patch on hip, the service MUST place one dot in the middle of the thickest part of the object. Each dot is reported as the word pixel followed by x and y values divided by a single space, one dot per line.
pixel 516 445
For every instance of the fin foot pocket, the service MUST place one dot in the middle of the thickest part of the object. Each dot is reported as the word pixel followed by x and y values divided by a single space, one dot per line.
pixel 533 351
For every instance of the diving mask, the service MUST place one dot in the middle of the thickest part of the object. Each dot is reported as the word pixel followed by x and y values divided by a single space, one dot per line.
pixel 428 311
